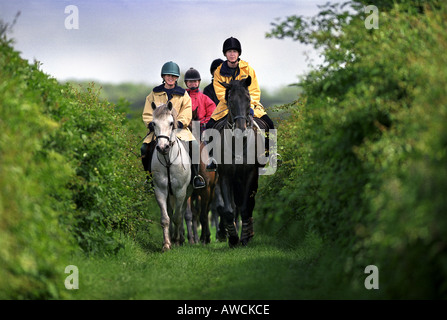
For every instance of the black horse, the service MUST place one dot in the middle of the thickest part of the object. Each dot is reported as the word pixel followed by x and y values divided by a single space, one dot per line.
pixel 241 144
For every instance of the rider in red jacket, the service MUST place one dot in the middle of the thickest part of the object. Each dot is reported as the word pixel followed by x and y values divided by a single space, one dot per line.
pixel 202 105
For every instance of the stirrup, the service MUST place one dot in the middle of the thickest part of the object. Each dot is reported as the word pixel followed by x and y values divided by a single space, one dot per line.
pixel 202 182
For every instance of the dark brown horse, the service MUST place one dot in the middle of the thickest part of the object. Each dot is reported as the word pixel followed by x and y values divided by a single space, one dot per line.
pixel 199 204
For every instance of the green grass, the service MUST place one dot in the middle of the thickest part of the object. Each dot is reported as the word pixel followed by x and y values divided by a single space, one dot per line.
pixel 266 269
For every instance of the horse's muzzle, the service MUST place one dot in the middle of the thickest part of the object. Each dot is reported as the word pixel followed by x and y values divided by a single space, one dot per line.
pixel 164 150
pixel 240 123
pixel 239 133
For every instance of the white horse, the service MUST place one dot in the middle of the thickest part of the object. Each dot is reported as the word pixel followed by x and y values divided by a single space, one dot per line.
pixel 171 172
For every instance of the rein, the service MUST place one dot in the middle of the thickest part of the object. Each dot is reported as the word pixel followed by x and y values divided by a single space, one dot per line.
pixel 248 120
pixel 168 159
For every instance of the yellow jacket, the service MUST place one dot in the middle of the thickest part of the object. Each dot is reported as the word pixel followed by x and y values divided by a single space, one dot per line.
pixel 181 103
pixel 222 74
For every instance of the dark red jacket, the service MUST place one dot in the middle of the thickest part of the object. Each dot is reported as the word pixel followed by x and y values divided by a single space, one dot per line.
pixel 202 106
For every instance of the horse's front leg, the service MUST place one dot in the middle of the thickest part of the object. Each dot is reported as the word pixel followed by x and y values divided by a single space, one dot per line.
pixel 248 206
pixel 180 207
pixel 188 220
pixel 227 215
pixel 218 206
pixel 165 220
pixel 205 236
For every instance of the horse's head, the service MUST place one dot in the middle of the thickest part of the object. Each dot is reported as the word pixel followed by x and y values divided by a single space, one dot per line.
pixel 238 102
pixel 165 123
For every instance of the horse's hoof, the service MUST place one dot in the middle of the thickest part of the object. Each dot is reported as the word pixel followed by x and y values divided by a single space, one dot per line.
pixel 245 241
pixel 221 237
pixel 233 241
pixel 205 241
pixel 166 247
pixel 247 231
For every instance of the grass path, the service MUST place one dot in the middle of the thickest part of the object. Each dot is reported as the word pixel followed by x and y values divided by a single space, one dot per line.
pixel 266 269
pixel 262 270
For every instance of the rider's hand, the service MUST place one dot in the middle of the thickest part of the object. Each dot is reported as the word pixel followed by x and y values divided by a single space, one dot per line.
pixel 252 112
pixel 150 126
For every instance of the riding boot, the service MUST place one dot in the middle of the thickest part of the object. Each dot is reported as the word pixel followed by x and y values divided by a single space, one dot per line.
pixel 211 166
pixel 196 179
pixel 147 150
pixel 145 157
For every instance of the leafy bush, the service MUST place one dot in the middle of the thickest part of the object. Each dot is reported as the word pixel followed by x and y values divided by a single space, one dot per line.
pixel 68 177
pixel 366 149
pixel 33 245
pixel 106 188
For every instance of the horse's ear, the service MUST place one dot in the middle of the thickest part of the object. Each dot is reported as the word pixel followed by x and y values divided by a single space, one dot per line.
pixel 247 81
pixel 225 85
pixel 153 105
pixel 170 105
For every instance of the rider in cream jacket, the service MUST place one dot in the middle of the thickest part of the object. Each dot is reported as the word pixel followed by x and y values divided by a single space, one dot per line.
pixel 181 102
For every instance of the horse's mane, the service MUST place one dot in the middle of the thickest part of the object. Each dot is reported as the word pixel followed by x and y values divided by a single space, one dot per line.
pixel 163 111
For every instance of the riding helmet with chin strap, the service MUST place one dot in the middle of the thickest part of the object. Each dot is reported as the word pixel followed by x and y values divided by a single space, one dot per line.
pixel 232 44
pixel 192 74
pixel 171 68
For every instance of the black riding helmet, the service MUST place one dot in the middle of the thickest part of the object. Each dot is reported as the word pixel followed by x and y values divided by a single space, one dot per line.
pixel 192 74
pixel 232 43
pixel 214 65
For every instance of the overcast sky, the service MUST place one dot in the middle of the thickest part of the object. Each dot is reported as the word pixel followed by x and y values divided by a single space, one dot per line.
pixel 128 41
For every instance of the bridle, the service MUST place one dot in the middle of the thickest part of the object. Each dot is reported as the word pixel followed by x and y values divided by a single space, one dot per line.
pixel 171 143
pixel 167 158
pixel 231 123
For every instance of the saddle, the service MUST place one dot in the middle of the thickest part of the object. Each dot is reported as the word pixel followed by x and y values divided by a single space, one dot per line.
pixel 261 123
pixel 220 124
pixel 258 123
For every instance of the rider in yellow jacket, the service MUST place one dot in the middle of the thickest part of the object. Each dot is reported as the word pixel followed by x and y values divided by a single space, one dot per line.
pixel 224 73
pixel 235 69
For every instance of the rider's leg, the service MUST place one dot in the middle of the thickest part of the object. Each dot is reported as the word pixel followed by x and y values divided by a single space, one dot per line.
pixel 270 144
pixel 212 163
pixel 194 154
pixel 147 150
pixel 144 158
